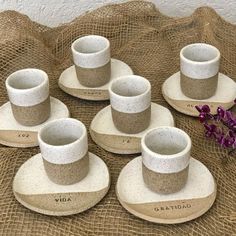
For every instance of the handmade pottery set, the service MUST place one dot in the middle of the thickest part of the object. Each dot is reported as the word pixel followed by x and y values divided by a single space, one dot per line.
pixel 199 81
pixel 30 107
pixel 65 178
pixel 93 70
pixel 119 127
pixel 163 185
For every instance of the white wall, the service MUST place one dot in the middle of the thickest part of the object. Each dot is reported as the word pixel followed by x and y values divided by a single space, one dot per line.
pixel 56 12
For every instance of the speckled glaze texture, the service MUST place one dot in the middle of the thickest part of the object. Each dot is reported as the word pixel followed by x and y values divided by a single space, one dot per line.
pixel 32 115
pixel 130 94
pixel 63 143
pixel 91 55
pixel 198 88
pixel 28 92
pixel 95 77
pixel 130 98
pixel 67 173
pixel 166 152
pixel 27 87
pixel 199 64
pixel 91 51
pixel 131 122
pixel 164 183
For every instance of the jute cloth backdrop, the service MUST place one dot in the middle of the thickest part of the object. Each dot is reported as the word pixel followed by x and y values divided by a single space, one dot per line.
pixel 150 43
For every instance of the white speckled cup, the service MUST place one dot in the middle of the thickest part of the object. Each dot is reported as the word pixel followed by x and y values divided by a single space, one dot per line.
pixel 165 156
pixel 64 148
pixel 91 55
pixel 130 98
pixel 199 68
pixel 28 92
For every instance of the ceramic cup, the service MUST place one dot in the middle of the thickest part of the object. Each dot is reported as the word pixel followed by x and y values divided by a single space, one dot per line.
pixel 165 156
pixel 91 55
pixel 199 68
pixel 64 148
pixel 28 92
pixel 130 98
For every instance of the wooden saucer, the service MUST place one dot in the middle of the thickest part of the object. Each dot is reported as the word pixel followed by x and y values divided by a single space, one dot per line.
pixel 69 83
pixel 192 201
pixel 225 95
pixel 33 189
pixel 14 134
pixel 105 134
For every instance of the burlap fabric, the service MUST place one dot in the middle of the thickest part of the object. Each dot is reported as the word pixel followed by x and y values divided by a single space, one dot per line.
pixel 150 43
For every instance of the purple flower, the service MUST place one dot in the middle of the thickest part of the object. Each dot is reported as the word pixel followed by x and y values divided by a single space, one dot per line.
pixel 221 127
pixel 211 130
pixel 227 141
pixel 202 117
pixel 220 113
pixel 230 120
pixel 206 109
pixel 204 112
pixel 232 136
pixel 203 109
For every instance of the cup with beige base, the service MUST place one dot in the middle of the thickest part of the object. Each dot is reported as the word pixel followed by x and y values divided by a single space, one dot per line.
pixel 199 68
pixel 91 55
pixel 130 98
pixel 28 92
pixel 165 159
pixel 64 148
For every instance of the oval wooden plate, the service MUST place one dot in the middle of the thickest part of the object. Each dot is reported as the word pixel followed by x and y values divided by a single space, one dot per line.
pixel 105 134
pixel 33 189
pixel 14 134
pixel 69 83
pixel 192 201
pixel 225 95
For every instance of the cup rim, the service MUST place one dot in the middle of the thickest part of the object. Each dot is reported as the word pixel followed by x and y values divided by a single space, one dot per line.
pixel 170 156
pixel 200 62
pixel 53 122
pixel 11 77
pixel 125 77
pixel 90 36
